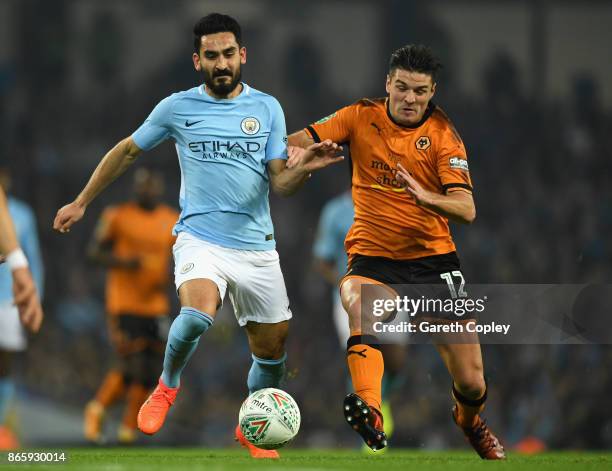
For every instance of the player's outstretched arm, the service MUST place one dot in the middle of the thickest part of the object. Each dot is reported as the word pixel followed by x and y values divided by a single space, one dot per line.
pixel 114 163
pixel 298 139
pixel 286 181
pixel 24 290
pixel 458 206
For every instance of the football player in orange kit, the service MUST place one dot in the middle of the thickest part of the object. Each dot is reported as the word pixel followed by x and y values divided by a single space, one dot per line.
pixel 134 241
pixel 410 177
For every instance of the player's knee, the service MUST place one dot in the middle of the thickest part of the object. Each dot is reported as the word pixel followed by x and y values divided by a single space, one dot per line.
pixel 271 351
pixel 269 348
pixel 267 341
pixel 471 385
pixel 351 298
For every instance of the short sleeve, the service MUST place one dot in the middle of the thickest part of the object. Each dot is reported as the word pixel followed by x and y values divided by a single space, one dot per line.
pixel 337 126
pixel 452 163
pixel 276 147
pixel 156 128
pixel 325 246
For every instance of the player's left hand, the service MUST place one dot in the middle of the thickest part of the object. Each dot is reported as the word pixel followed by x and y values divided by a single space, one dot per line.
pixel 316 156
pixel 413 188
pixel 294 156
pixel 26 299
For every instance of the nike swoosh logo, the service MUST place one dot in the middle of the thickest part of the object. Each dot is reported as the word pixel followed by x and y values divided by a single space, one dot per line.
pixel 188 124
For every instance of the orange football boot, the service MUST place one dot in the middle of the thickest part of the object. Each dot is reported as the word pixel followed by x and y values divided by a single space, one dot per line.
pixel 93 421
pixel 153 412
pixel 8 440
pixel 366 421
pixel 253 450
pixel 482 439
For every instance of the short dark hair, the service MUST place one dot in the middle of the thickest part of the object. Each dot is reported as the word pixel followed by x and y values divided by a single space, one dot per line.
pixel 215 23
pixel 415 58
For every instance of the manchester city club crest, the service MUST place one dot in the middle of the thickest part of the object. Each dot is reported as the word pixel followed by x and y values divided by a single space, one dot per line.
pixel 250 126
pixel 187 267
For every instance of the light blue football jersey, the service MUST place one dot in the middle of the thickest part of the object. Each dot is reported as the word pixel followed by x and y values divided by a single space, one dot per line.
pixel 223 147
pixel 335 221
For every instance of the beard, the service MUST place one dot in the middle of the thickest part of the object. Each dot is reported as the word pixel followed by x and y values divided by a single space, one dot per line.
pixel 224 88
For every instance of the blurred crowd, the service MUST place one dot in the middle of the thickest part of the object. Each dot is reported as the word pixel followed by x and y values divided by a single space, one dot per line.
pixel 541 172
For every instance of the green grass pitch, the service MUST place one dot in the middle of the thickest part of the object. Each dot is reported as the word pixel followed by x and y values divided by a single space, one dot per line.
pixel 119 459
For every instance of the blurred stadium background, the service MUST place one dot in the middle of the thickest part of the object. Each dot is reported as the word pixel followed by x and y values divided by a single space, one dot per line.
pixel 527 84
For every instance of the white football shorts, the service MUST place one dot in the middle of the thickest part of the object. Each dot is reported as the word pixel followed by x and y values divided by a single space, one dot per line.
pixel 12 336
pixel 253 277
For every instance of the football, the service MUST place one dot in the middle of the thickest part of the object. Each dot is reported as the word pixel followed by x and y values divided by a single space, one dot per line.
pixel 269 418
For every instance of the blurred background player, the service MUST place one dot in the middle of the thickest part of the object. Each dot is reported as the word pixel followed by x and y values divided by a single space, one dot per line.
pixel 331 262
pixel 231 142
pixel 12 335
pixel 330 259
pixel 409 178
pixel 134 241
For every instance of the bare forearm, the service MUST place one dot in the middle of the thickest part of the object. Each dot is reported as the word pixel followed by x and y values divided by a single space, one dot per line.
pixel 114 163
pixel 454 206
pixel 8 237
pixel 288 176
pixel 290 180
pixel 300 139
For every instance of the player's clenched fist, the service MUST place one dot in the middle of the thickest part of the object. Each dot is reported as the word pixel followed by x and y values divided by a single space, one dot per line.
pixel 67 216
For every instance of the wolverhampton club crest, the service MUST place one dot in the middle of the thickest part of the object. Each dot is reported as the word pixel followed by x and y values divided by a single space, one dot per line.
pixel 423 143
pixel 250 126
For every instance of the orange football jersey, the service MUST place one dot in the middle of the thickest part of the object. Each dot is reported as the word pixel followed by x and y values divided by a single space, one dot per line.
pixel 146 235
pixel 388 223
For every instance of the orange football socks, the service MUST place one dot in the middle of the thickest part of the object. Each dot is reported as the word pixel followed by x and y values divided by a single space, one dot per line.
pixel 112 388
pixel 468 409
pixel 366 366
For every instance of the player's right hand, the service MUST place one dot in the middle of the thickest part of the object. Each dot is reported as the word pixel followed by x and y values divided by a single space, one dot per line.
pixel 26 299
pixel 67 216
